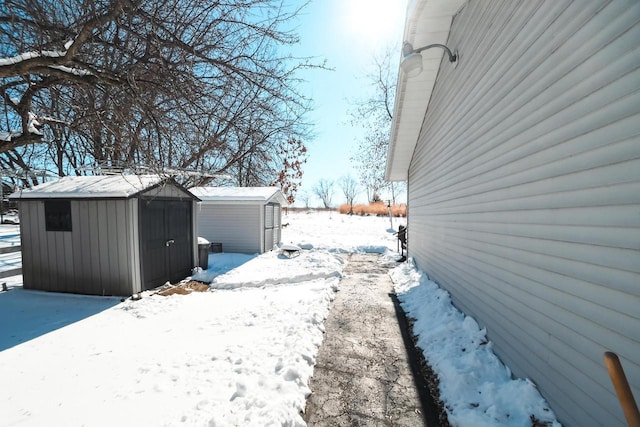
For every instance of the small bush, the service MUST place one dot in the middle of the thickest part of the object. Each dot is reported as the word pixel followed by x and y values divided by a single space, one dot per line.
pixel 344 209
pixel 399 210
pixel 359 209
pixel 379 209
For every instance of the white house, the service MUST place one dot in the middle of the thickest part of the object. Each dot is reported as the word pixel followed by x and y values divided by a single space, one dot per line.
pixel 243 219
pixel 522 159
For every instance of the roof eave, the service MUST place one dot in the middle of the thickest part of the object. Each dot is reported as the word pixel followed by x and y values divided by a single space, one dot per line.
pixel 279 197
pixel 428 22
pixel 163 182
pixel 275 196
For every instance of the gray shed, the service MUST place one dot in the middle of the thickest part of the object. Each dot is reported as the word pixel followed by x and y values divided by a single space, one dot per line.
pixel 243 219
pixel 523 169
pixel 106 235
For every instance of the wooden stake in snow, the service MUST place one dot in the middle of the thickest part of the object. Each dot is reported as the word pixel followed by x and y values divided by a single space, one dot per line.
pixel 622 388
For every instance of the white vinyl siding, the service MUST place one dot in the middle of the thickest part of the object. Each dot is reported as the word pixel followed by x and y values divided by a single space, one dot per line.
pixel 268 216
pixel 524 191
pixel 237 226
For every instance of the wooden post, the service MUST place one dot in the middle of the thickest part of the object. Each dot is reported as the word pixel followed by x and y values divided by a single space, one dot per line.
pixel 622 388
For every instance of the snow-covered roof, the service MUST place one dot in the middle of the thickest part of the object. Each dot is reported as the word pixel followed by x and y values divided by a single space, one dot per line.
pixel 72 187
pixel 240 194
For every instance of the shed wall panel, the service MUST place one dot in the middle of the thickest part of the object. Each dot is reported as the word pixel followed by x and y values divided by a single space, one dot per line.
pixel 91 244
pixel 269 237
pixel 30 242
pixel 101 245
pixel 277 218
pixel 524 191
pixel 133 245
pixel 79 214
pixel 277 224
pixel 104 260
pixel 90 259
pixel 194 236
pixel 268 216
pixel 237 227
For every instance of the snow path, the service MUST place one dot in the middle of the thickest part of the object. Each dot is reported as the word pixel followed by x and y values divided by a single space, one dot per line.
pixel 363 376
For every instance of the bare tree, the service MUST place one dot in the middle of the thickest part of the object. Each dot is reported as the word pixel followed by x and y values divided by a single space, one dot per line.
pixel 349 188
pixel 167 84
pixel 304 197
pixel 374 114
pixel 324 190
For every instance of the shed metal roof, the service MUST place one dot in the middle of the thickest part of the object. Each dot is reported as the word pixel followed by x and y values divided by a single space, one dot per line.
pixel 240 194
pixel 91 187
pixel 428 22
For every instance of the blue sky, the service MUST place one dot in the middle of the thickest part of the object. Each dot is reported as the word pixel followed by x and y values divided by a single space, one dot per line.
pixel 347 33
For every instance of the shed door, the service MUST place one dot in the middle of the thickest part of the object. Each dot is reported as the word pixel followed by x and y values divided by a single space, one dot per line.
pixel 166 241
pixel 271 225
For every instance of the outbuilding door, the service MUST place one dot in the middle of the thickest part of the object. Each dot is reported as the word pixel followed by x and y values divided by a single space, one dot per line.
pixel 271 225
pixel 166 241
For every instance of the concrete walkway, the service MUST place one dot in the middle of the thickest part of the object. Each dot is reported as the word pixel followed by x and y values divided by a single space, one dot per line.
pixel 363 375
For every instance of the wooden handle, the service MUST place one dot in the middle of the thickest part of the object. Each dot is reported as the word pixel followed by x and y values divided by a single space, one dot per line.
pixel 622 388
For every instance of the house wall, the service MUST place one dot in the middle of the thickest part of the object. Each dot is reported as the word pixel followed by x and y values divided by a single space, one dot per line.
pixel 524 192
pixel 239 227
pixel 94 258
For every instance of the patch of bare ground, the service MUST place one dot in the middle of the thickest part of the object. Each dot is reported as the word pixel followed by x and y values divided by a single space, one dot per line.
pixel 183 288
pixel 429 376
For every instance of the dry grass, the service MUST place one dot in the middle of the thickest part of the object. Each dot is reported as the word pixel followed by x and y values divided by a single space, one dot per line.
pixel 183 288
pixel 376 208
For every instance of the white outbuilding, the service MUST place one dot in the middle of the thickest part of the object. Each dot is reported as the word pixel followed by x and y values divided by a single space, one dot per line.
pixel 242 219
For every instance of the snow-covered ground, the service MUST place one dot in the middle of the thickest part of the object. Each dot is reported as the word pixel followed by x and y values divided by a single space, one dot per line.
pixel 239 355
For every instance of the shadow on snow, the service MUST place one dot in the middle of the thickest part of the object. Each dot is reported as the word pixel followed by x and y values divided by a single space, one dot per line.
pixel 26 314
